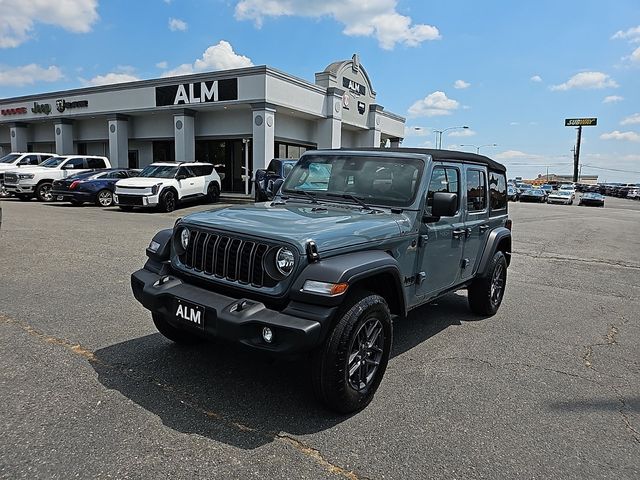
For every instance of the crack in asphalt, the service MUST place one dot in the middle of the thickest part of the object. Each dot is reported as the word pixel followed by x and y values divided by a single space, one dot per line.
pixel 564 258
pixel 299 446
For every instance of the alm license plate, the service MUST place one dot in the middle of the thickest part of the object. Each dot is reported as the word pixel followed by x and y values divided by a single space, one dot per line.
pixel 187 312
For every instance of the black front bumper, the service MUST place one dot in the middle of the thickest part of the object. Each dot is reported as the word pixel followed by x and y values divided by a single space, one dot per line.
pixel 222 318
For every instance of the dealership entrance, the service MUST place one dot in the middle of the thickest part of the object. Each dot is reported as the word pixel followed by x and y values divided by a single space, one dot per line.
pixel 228 157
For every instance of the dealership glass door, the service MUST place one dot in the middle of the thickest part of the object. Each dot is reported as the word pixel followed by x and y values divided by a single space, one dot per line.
pixel 228 157
pixel 164 151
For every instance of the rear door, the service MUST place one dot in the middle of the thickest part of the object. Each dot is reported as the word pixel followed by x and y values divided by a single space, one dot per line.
pixel 476 218
pixel 441 242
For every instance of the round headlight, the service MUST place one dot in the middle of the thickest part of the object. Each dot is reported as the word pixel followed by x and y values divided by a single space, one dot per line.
pixel 285 261
pixel 184 238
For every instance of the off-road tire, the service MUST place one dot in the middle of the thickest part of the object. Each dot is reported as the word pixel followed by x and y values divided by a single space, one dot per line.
pixel 213 192
pixel 483 299
pixel 329 362
pixel 168 201
pixel 42 190
pixel 172 333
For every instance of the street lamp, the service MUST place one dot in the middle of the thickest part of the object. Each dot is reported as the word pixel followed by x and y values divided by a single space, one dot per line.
pixel 440 132
pixel 478 147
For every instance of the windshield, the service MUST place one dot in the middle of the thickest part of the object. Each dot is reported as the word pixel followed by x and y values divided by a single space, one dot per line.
pixel 52 162
pixel 564 193
pixel 566 187
pixel 159 171
pixel 12 157
pixel 375 180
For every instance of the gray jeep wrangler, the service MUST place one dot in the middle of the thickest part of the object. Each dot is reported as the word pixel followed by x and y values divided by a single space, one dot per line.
pixel 352 238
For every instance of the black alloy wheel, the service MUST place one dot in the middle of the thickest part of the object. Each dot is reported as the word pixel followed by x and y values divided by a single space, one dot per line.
pixel 213 192
pixel 486 292
pixel 168 201
pixel 365 354
pixel 104 198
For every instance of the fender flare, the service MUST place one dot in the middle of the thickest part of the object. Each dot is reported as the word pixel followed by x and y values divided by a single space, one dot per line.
pixel 496 236
pixel 348 268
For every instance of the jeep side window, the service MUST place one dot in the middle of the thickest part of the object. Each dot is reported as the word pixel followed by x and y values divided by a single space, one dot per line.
pixel 443 179
pixel 497 191
pixel 476 191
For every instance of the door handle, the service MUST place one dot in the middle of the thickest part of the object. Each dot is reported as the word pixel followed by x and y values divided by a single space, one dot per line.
pixel 467 232
pixel 457 233
pixel 483 228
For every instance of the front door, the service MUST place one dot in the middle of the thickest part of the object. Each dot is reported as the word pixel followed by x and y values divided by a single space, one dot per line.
pixel 188 185
pixel 476 218
pixel 441 242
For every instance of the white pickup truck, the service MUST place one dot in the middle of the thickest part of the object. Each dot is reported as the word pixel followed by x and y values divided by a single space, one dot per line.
pixel 28 182
pixel 19 160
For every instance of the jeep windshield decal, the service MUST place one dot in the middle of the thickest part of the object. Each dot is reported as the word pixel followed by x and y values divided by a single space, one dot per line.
pixel 373 180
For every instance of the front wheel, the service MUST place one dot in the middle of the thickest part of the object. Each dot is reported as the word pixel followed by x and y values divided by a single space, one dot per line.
pixel 168 201
pixel 172 333
pixel 104 198
pixel 349 366
pixel 486 292
pixel 43 192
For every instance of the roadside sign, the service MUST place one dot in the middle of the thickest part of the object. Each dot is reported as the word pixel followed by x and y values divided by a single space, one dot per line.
pixel 580 122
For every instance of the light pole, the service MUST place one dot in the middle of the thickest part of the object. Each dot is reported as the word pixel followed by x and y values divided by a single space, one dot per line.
pixel 478 147
pixel 440 132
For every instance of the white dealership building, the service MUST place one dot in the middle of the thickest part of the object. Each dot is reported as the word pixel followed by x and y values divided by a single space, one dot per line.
pixel 237 119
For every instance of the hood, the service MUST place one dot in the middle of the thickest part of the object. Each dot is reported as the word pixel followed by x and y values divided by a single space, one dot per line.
pixel 140 182
pixel 33 169
pixel 330 226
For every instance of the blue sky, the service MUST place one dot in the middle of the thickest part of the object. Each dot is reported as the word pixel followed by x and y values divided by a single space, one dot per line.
pixel 511 71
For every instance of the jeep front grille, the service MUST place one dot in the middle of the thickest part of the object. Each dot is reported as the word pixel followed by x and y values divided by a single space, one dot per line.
pixel 227 257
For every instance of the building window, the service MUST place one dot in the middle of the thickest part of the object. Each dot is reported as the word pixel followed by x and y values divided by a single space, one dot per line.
pixel 291 150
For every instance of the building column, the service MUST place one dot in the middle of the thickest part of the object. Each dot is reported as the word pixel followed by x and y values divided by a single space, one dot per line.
pixel 18 134
pixel 371 137
pixel 264 127
pixel 184 134
pixel 64 136
pixel 395 142
pixel 330 128
pixel 119 141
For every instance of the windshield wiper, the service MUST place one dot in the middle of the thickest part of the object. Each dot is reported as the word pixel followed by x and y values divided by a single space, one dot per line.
pixel 304 192
pixel 348 196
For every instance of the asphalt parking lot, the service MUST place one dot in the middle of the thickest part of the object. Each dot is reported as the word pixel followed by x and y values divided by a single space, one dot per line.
pixel 547 388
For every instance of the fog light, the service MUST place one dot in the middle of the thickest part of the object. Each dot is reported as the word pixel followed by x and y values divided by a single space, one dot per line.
pixel 267 335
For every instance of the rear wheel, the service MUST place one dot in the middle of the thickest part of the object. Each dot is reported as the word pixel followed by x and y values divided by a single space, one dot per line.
pixel 172 333
pixel 349 366
pixel 213 192
pixel 104 198
pixel 43 192
pixel 486 292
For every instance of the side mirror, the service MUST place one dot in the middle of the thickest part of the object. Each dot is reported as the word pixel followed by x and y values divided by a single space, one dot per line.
pixel 181 177
pixel 444 205
pixel 69 167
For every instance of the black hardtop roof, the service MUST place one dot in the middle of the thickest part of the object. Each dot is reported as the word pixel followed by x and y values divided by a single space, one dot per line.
pixel 437 155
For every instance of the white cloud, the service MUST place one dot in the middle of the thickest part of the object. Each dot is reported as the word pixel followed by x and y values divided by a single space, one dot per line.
pixel 587 80
pixel 163 64
pixel 617 135
pixel 18 17
pixel 28 75
pixel 377 18
pixel 632 34
pixel 434 104
pixel 513 124
pixel 635 55
pixel 461 84
pixel 612 99
pixel 109 78
pixel 514 154
pixel 217 57
pixel 466 132
pixel 536 78
pixel 175 24
pixel 631 119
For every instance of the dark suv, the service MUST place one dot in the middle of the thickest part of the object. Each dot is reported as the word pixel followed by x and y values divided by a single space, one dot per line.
pixel 353 238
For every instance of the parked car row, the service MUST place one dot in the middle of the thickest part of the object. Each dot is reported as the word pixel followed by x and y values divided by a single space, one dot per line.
pixel 83 179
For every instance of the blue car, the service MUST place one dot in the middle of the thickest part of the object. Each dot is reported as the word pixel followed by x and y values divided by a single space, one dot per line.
pixel 96 186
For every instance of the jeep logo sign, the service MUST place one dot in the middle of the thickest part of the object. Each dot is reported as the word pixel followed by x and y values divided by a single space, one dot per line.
pixel 198 92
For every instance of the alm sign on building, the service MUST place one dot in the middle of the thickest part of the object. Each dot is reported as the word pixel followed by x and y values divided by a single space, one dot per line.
pixel 198 92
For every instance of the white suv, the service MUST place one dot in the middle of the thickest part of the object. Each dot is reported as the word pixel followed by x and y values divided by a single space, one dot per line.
pixel 36 181
pixel 164 185
pixel 18 160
